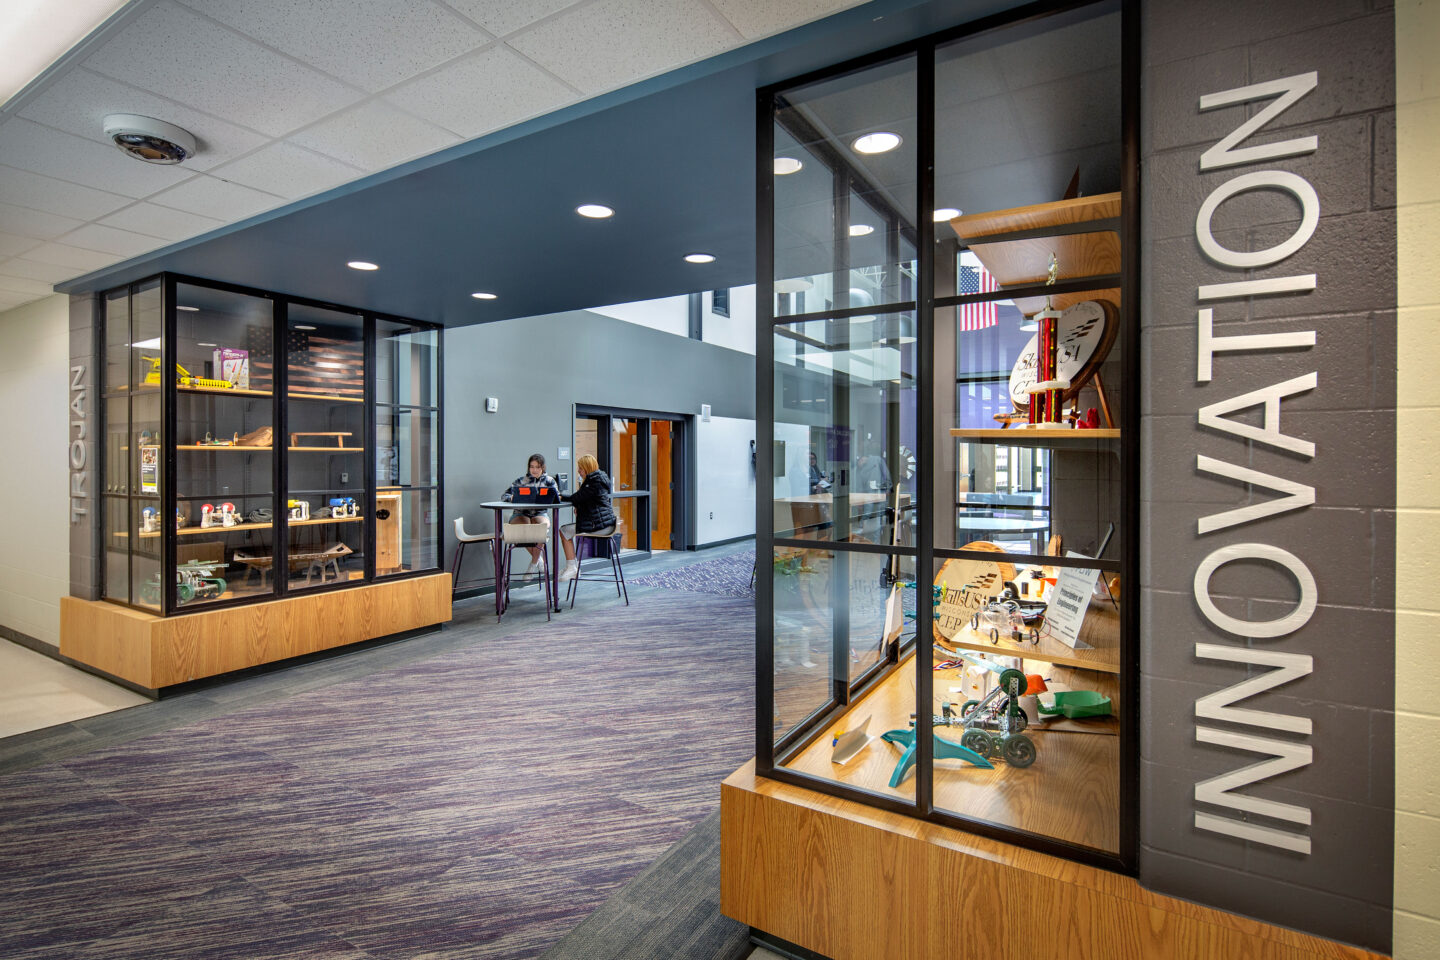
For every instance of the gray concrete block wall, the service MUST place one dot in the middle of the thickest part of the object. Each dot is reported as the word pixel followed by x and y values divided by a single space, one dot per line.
pixel 1342 888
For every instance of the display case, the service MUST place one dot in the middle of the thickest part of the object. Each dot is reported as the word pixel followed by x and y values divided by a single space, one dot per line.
pixel 946 616
pixel 260 446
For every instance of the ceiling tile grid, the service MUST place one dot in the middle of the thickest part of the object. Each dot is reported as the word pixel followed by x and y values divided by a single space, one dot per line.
pixel 287 100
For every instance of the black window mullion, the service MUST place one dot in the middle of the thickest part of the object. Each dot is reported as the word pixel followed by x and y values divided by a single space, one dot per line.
pixel 279 417
pixel 925 425
pixel 369 479
pixel 169 400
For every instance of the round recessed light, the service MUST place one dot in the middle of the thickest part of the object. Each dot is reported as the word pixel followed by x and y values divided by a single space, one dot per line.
pixel 946 213
pixel 481 295
pixel 303 326
pixel 179 306
pixel 595 211
pixel 787 165
pixel 362 265
pixel 861 229
pixel 881 142
pixel 699 258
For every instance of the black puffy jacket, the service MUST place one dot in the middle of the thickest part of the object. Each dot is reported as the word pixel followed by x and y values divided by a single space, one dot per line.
pixel 593 510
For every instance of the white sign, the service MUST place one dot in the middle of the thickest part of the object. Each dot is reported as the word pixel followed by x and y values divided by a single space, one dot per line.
pixel 1069 601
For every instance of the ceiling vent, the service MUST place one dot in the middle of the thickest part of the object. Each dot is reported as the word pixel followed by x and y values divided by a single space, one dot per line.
pixel 153 141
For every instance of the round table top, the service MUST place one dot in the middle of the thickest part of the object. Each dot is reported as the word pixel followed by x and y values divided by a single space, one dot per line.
pixel 507 505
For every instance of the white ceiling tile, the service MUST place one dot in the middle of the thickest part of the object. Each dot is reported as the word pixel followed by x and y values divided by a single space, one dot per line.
pixel 79 101
pixel 38 149
pixel 373 44
pixel 210 197
pixel 501 17
pixel 287 170
pixel 64 255
pixel 26 189
pixel 46 273
pixel 485 91
pixel 12 245
pixel 34 288
pixel 761 18
pixel 609 43
pixel 34 223
pixel 374 136
pixel 173 50
pixel 158 221
pixel 122 243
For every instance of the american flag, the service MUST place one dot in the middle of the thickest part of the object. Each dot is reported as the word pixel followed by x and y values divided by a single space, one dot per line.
pixel 976 279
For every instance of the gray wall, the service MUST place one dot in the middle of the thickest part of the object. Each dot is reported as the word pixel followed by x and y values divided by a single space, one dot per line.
pixel 1342 886
pixel 539 368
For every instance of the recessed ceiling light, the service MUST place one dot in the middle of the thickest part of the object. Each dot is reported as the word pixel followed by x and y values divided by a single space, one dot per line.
pixel 362 265
pixel 787 165
pixel 303 326
pixel 946 213
pixel 152 344
pixel 329 364
pixel 481 295
pixel 861 229
pixel 595 211
pixel 881 142
pixel 699 258
pixel 187 309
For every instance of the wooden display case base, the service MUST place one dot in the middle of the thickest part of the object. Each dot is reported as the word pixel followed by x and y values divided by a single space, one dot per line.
pixel 851 882
pixel 157 652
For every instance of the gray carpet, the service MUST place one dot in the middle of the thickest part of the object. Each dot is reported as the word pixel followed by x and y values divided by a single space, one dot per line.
pixel 670 912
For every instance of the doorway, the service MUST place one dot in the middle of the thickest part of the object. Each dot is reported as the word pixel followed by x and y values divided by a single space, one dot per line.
pixel 642 451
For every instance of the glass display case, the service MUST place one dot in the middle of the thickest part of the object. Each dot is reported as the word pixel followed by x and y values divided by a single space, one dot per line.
pixel 242 431
pixel 946 628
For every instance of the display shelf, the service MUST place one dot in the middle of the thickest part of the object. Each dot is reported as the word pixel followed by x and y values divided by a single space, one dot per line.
pixel 1071 793
pixel 1105 659
pixel 1039 216
pixel 236 392
pixel 195 530
pixel 1042 436
pixel 207 447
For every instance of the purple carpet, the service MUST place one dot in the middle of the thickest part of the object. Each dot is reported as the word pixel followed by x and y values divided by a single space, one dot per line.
pixel 478 804
pixel 721 577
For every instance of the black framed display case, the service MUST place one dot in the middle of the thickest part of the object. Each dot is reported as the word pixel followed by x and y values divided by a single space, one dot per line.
pixel 261 446
pixel 946 612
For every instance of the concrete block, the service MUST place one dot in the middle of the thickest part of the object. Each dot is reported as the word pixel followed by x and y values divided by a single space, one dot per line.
pixel 1178 29
pixel 1416 937
pixel 1415 635
pixel 1417 763
pixel 1417 869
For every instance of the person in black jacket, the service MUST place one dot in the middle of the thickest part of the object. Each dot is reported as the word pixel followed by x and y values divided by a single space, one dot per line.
pixel 593 510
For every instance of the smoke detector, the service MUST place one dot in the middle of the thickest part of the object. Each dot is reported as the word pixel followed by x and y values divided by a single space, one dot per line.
pixel 148 139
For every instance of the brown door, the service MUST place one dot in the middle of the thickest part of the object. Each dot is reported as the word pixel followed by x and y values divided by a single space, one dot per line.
pixel 627 472
pixel 662 479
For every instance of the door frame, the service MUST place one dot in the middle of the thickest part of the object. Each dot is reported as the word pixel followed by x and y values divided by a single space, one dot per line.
pixel 682 500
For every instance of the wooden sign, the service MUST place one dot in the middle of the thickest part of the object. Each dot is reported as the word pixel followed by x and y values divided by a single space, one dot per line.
pixel 967 585
pixel 1086 332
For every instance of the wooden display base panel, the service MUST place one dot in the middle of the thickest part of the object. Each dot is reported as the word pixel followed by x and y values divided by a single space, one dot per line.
pixel 156 652
pixel 852 882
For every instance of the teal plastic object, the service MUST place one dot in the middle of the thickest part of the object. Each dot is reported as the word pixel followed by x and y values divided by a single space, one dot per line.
pixel 1078 704
pixel 944 750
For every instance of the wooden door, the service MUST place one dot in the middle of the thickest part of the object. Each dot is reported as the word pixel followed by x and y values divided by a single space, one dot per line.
pixel 626 476
pixel 661 483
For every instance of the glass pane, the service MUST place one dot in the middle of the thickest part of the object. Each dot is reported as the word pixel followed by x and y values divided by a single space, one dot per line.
pixel 830 601
pixel 845 190
pixel 1054 750
pixel 407 530
pixel 325 428
pixel 118 350
pixel 145 564
pixel 587 438
pixel 117 445
pixel 409 446
pixel 224 445
pixel 627 511
pixel 148 329
pixel 406 364
pixel 844 430
pixel 117 548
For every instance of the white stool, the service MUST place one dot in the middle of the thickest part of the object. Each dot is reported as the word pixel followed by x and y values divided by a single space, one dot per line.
pixel 463 539
pixel 525 535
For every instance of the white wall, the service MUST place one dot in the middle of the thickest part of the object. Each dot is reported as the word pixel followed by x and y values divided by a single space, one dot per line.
pixel 725 480
pixel 671 314
pixel 737 331
pixel 34 483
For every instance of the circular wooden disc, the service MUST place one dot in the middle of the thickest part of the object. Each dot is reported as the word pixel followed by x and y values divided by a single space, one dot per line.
pixel 1087 331
pixel 967 585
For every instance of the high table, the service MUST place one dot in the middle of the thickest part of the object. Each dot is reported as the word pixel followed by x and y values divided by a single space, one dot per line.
pixel 499 507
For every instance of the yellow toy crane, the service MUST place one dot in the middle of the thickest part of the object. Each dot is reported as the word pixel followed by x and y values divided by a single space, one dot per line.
pixel 184 377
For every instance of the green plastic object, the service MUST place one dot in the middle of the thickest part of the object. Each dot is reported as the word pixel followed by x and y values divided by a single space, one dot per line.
pixel 944 749
pixel 1077 705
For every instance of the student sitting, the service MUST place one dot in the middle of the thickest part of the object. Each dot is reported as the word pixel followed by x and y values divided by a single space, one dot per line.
pixel 534 475
pixel 593 511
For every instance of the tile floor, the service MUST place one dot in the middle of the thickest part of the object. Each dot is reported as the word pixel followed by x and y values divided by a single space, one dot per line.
pixel 38 692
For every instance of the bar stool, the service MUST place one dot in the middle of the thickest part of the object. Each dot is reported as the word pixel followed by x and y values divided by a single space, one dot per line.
pixel 524 535
pixel 463 539
pixel 590 542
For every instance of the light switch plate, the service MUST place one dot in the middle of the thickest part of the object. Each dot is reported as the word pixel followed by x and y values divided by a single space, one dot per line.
pixel 492 404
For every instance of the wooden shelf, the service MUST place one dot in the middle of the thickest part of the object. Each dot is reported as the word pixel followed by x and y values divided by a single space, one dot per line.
pixel 195 530
pixel 212 447
pixel 235 392
pixel 1050 650
pixel 1047 437
pixel 972 226
pixel 323 396
pixel 1071 793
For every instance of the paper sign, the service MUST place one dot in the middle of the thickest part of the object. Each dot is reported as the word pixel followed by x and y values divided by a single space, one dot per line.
pixel 149 469
pixel 1069 601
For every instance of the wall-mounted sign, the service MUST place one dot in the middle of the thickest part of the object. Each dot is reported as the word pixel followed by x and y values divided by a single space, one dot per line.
pixel 79 432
